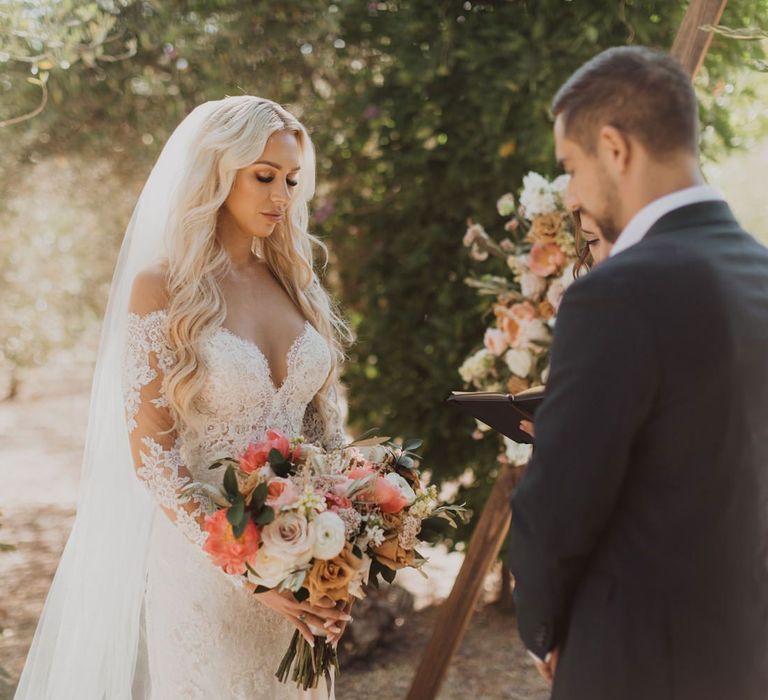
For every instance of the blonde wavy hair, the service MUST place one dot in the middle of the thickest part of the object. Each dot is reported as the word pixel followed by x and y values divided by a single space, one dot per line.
pixel 233 137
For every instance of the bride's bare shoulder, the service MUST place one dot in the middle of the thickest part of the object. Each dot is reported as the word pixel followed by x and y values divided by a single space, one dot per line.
pixel 150 289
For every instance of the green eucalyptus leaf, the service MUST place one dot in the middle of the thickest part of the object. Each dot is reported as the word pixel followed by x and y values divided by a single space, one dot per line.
pixel 259 496
pixel 265 516
pixel 230 483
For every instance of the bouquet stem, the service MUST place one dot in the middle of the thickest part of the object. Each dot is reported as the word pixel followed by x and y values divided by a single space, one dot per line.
pixel 309 664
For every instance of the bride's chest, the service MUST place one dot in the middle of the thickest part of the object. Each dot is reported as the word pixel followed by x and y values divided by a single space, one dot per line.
pixel 240 385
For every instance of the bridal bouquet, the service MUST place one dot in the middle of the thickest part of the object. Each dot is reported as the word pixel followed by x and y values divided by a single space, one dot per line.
pixel 323 524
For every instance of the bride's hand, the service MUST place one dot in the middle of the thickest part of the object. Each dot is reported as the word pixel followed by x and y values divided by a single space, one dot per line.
pixel 345 607
pixel 527 427
pixel 302 615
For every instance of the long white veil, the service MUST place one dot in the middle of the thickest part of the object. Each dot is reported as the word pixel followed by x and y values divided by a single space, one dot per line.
pixel 87 641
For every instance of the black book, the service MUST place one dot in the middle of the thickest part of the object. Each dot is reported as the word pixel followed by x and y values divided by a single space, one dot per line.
pixel 502 412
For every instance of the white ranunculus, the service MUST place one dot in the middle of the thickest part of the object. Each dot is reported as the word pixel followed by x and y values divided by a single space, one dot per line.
pixel 268 570
pixel 404 487
pixel 531 285
pixel 537 198
pixel 329 535
pixel 519 362
pixel 289 536
pixel 560 184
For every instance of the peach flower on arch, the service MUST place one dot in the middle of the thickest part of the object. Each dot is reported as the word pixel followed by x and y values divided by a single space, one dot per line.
pixel 546 259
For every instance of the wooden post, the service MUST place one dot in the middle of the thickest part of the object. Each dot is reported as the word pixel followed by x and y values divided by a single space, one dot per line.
pixel 690 47
pixel 691 44
pixel 456 611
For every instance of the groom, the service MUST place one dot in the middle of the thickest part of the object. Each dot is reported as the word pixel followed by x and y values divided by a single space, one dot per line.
pixel 640 530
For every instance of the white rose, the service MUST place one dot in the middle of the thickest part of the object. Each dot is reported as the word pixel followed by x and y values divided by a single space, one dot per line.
pixel 519 362
pixel 290 537
pixel 404 487
pixel 268 570
pixel 329 535
pixel 531 285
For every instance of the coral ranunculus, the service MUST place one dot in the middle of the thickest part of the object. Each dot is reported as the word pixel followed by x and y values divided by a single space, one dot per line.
pixel 389 497
pixel 546 259
pixel 227 551
pixel 257 454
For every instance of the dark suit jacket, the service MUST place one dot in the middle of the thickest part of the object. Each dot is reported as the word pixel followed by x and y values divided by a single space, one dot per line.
pixel 640 529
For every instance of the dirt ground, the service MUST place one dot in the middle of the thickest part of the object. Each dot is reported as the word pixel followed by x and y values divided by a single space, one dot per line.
pixel 40 449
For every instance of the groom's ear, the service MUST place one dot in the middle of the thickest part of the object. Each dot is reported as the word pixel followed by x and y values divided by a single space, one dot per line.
pixel 614 149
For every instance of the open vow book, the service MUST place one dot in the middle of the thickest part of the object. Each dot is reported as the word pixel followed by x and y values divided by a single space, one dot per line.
pixel 502 412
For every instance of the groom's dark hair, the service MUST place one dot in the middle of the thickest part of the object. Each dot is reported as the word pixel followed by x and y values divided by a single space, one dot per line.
pixel 643 92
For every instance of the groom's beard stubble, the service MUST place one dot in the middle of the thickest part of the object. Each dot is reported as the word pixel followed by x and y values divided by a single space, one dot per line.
pixel 608 219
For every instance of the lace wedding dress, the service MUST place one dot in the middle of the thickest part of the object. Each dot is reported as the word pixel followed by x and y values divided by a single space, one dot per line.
pixel 205 636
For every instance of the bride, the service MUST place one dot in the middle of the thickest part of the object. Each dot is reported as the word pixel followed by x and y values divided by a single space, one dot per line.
pixel 217 329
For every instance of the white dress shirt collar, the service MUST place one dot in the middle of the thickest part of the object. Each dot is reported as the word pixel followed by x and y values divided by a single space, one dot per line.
pixel 640 223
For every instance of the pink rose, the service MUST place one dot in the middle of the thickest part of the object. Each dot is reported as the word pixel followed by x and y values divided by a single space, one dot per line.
pixel 546 259
pixel 227 551
pixel 257 454
pixel 281 492
pixel 495 341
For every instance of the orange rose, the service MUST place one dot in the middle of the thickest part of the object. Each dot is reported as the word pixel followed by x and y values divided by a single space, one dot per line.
pixel 392 555
pixel 328 580
pixel 545 228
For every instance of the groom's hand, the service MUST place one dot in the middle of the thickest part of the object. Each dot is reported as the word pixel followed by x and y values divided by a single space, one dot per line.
pixel 547 667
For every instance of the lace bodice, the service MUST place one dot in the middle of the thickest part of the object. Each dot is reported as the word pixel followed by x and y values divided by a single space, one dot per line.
pixel 238 404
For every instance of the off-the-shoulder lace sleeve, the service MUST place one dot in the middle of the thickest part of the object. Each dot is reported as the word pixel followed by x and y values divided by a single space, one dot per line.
pixel 154 445
pixel 329 434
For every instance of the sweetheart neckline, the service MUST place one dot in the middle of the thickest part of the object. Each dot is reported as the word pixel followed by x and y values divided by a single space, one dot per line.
pixel 288 355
